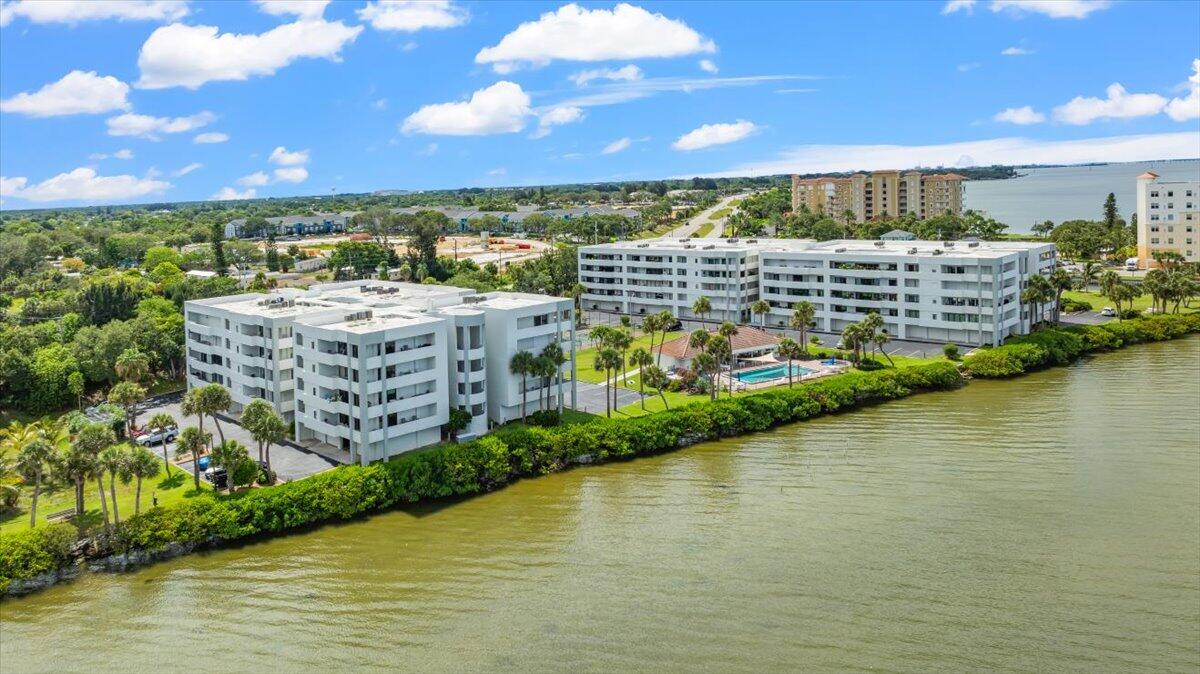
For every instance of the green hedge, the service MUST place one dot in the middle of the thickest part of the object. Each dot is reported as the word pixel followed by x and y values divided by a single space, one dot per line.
pixel 34 551
pixel 1064 344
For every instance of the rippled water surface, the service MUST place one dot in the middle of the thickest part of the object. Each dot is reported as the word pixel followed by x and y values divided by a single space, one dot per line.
pixel 1049 523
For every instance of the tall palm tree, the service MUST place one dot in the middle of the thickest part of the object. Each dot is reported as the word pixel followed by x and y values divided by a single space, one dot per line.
pixel 160 423
pixel 665 321
pixel 142 465
pixel 553 353
pixel 76 465
pixel 127 394
pixel 214 400
pixel 253 415
pixel 702 307
pixel 871 326
pixel 881 339
pixel 608 359
pixel 650 326
pixel 522 363
pixel 727 330
pixel 271 430
pixel 115 461
pixel 94 439
pixel 12 440
pixel 193 440
pixel 1088 275
pixel 32 461
pixel 802 320
pixel 657 380
pixel 719 350
pixel 705 365
pixel 761 308
pixel 790 350
pixel 1060 281
pixel 620 339
pixel 132 365
pixel 641 359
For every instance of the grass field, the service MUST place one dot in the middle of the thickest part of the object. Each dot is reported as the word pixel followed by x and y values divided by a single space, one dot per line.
pixel 585 359
pixel 720 213
pixel 1099 301
pixel 703 230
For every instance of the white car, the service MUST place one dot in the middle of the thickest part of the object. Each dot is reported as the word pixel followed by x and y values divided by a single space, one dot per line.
pixel 157 437
pixel 1108 311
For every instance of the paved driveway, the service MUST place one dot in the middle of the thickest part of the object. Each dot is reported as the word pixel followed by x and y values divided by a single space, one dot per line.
pixel 591 397
pixel 288 461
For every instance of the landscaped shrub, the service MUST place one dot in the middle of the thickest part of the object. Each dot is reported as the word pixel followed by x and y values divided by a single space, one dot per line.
pixel 34 551
pixel 993 364
pixel 1070 306
pixel 545 418
pixel 950 351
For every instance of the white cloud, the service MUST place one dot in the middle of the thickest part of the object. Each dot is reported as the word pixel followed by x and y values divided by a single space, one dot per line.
pixel 295 174
pixel 409 46
pixel 629 73
pixel 617 145
pixel 230 194
pixel 256 179
pixel 574 33
pixel 622 92
pixel 1183 109
pixel 1119 104
pixel 966 67
pixel 148 127
pixel 77 11
pixel 1055 9
pixel 556 117
pixel 429 150
pixel 283 157
pixel 1007 151
pixel 210 138
pixel 188 169
pixel 1022 115
pixel 500 108
pixel 410 16
pixel 82 184
pixel 304 9
pixel 1016 51
pixel 956 5
pixel 715 134
pixel 795 91
pixel 498 172
pixel 188 56
pixel 119 154
pixel 708 66
pixel 76 93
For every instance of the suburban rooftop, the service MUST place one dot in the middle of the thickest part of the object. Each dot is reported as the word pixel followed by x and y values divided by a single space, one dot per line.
pixel 856 246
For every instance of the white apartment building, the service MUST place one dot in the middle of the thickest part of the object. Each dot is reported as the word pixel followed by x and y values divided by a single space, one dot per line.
pixel 967 292
pixel 1168 218
pixel 373 368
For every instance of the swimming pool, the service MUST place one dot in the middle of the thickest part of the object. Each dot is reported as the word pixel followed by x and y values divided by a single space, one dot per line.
pixel 769 373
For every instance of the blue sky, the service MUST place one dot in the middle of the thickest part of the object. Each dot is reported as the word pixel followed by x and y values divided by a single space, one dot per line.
pixel 111 102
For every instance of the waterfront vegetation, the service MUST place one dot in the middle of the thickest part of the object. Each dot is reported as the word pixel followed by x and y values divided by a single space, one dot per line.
pixel 526 450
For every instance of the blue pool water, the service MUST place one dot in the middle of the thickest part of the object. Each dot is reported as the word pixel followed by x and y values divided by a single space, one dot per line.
pixel 769 373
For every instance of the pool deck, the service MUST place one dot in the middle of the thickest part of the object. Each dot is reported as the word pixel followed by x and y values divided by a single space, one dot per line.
pixel 820 368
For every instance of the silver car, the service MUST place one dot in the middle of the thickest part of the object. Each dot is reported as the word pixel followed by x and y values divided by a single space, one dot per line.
pixel 157 437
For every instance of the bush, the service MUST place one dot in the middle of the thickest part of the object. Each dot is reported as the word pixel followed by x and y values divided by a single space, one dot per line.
pixel 1127 314
pixel 993 364
pixel 544 418
pixel 34 551
pixel 1071 306
pixel 950 351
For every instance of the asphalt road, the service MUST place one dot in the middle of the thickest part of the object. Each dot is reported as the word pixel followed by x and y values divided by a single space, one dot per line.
pixel 692 225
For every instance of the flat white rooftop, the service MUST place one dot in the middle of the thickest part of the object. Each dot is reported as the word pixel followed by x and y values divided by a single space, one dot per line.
pixel 980 249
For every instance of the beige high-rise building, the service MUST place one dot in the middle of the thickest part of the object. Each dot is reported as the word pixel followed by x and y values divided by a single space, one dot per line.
pixel 863 196
pixel 1168 218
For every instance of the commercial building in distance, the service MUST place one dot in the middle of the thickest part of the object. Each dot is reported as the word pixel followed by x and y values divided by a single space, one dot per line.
pixel 372 368
pixel 967 292
pixel 861 197
pixel 1168 218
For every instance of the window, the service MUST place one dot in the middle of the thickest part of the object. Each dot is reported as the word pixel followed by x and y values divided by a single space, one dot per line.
pixel 912 313
pixel 912 267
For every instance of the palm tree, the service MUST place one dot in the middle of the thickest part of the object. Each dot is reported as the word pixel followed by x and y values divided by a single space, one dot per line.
pixel 665 321
pixel 871 326
pixel 253 415
pixel 12 441
pixel 658 380
pixel 160 423
pixel 852 339
pixel 94 439
pixel 802 319
pixel 608 359
pixel 522 363
pixel 1088 275
pixel 127 394
pixel 76 465
pixel 115 461
pixel 142 464
pixel 719 350
pixel 1060 281
pixel 620 339
pixel 761 308
pixel 702 307
pixel 881 339
pixel 705 365
pixel 272 429
pixel 727 330
pixel 650 325
pixel 132 365
pixel 33 459
pixel 641 359
pixel 789 349
pixel 193 440
pixel 1037 293
pixel 554 355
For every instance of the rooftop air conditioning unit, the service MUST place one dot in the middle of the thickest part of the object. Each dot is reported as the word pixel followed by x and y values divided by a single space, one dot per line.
pixel 751 240
pixel 839 250
pixel 948 244
pixel 973 244
pixel 912 251
pixel 937 251
pixel 643 245
pixel 879 244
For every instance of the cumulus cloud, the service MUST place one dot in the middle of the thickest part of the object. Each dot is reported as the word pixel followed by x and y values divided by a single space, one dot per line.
pixel 574 33
pixel 303 9
pixel 188 56
pixel 295 174
pixel 1119 104
pixel 1055 9
pixel 617 145
pixel 556 116
pixel 715 134
pixel 498 172
pixel 1022 115
pixel 210 138
pixel 150 128
pixel 256 179
pixel 78 92
pixel 708 66
pixel 629 73
pixel 231 194
pixel 1016 51
pixel 1183 109
pixel 500 108
pixel 411 16
pixel 1007 151
pixel 77 11
pixel 283 157
pixel 82 184
pixel 188 169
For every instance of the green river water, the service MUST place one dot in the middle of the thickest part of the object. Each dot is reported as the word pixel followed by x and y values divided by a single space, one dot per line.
pixel 1048 523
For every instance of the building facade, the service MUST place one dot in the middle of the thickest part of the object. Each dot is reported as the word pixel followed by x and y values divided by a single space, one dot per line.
pixel 861 197
pixel 1168 218
pixel 967 292
pixel 373 368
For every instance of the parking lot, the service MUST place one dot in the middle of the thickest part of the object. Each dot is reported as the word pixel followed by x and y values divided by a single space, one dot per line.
pixel 287 460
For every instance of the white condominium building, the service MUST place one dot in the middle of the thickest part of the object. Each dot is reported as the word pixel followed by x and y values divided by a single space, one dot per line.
pixel 967 292
pixel 373 368
pixel 1168 218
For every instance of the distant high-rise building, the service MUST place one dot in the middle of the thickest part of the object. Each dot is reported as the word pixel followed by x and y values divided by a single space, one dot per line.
pixel 862 196
pixel 1168 218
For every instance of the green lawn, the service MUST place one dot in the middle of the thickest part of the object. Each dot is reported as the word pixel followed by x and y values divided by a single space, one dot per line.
pixel 1098 301
pixel 703 230
pixel 586 357
pixel 61 497
pixel 721 213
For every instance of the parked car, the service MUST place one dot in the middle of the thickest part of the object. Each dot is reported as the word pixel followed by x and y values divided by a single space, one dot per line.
pixel 1108 311
pixel 217 477
pixel 156 436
